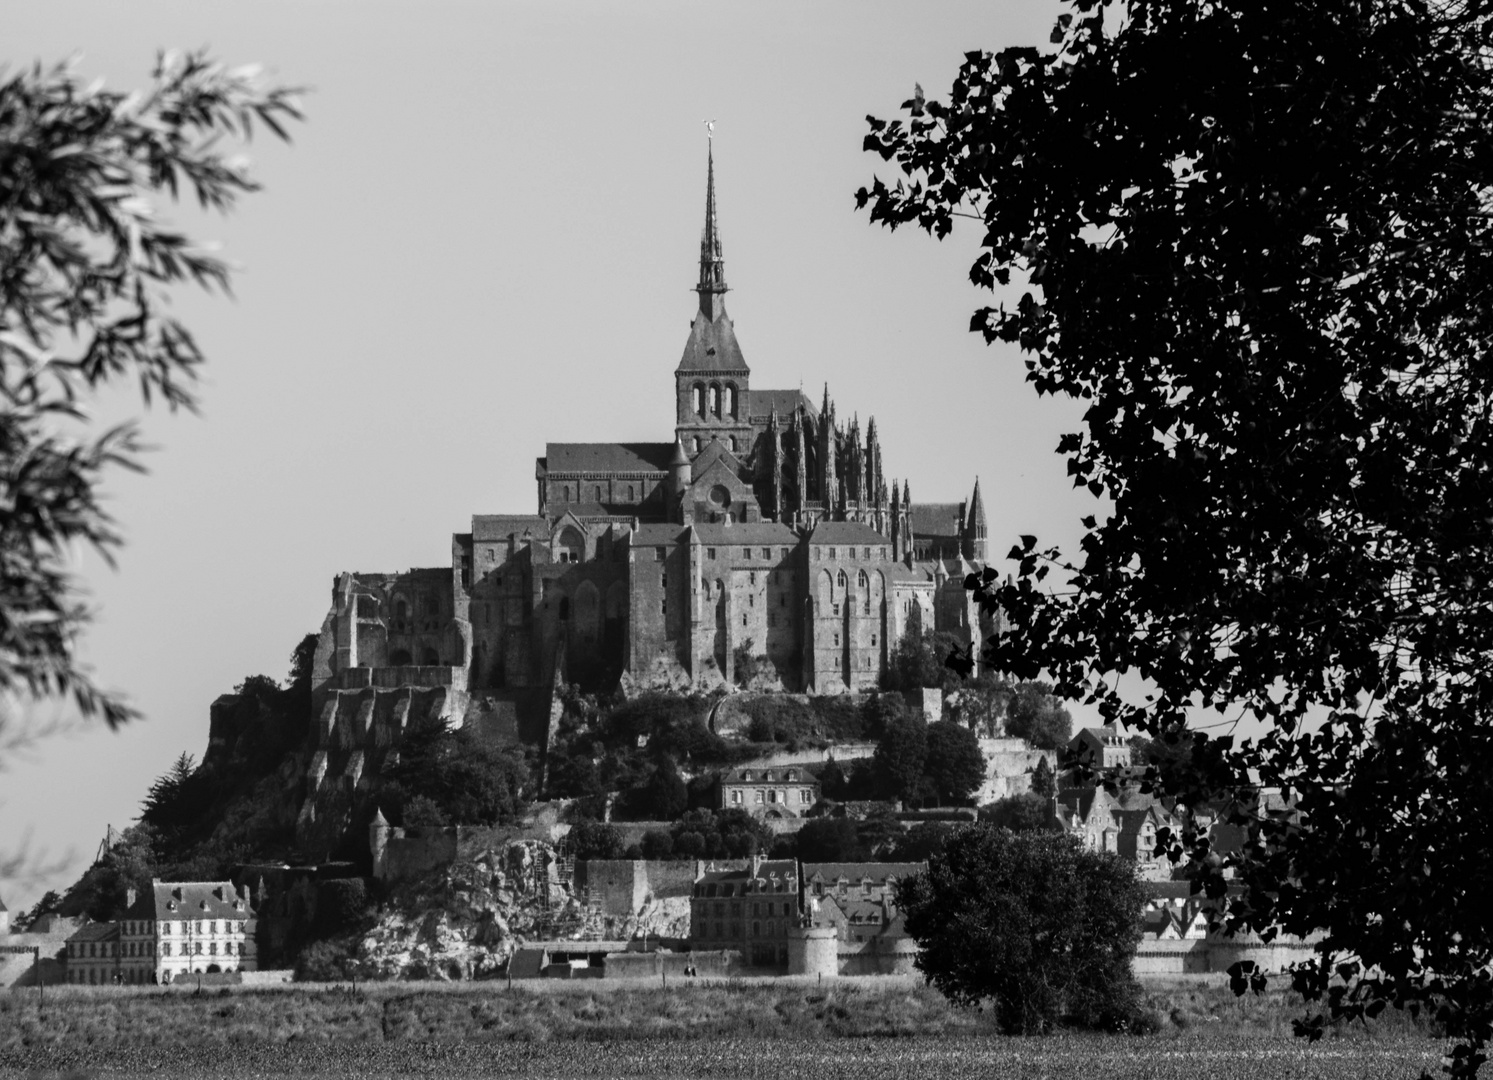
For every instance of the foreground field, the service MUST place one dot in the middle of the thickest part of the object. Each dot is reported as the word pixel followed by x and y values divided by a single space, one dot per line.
pixel 782 1028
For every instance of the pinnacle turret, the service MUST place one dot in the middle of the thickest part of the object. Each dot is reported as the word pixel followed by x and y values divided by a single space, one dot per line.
pixel 712 284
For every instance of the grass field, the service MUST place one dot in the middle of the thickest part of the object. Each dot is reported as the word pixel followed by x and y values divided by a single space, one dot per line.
pixel 778 1028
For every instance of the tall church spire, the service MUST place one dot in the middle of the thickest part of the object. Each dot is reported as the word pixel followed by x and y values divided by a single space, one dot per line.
pixel 712 286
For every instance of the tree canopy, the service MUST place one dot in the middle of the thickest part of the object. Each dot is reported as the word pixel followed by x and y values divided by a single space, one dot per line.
pixel 1031 922
pixel 469 781
pixel 87 272
pixel 1252 236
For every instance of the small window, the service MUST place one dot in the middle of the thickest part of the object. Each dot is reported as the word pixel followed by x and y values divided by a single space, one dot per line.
pixel 567 492
pixel 710 553
pixel 743 618
pixel 761 796
pixel 663 607
pixel 767 553
pixel 753 577
pixel 598 493
pixel 746 553
pixel 837 639
pixel 785 553
pixel 831 553
pixel 659 554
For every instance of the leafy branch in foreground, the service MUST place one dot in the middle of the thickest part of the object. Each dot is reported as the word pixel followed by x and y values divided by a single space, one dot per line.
pixel 1253 236
pixel 85 269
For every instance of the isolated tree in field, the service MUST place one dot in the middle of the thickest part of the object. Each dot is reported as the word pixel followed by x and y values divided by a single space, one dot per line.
pixel 1253 237
pixel 1032 923
pixel 86 267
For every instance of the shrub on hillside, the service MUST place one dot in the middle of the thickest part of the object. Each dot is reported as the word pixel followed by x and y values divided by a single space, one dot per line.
pixel 831 840
pixel 595 840
pixel 341 904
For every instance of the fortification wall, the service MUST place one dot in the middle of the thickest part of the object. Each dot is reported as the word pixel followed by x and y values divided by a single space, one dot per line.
pixel 658 965
pixel 889 956
pixel 622 886
pixel 1218 953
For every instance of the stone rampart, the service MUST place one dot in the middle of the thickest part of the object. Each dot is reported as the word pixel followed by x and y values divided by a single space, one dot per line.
pixel 621 887
pixel 657 965
pixel 880 956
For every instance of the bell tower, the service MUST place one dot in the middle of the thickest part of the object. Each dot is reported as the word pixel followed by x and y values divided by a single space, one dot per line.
pixel 712 382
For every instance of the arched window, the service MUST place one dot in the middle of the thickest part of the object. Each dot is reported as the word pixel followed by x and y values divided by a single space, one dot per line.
pixel 731 402
pixel 700 398
pixel 861 582
pixel 598 493
pixel 715 400
pixel 840 579
pixel 430 658
pixel 400 658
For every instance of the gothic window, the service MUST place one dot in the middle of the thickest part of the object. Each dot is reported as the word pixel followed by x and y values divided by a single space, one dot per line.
pixel 840 579
pixel 731 406
pixel 715 400
pixel 861 582
pixel 700 398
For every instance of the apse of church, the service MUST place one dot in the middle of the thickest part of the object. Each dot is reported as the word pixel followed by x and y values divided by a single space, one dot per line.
pixel 763 545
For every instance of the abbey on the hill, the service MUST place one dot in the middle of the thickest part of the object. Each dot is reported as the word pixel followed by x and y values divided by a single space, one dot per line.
pixel 762 545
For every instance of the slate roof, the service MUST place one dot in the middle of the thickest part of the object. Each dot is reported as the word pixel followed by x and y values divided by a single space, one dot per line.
pixel 856 871
pixel 607 457
pixel 846 532
pixel 785 401
pixel 649 535
pixel 776 775
pixel 746 533
pixel 190 900
pixel 526 963
pixel 501 526
pixel 712 345
pixel 96 931
pixel 935 519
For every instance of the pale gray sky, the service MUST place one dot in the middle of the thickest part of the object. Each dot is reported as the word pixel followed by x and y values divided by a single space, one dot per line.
pixel 485 238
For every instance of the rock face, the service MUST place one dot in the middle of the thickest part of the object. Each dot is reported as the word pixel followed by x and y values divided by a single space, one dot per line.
pixel 464 922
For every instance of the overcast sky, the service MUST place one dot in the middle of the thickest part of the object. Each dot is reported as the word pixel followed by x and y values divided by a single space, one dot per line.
pixel 484 238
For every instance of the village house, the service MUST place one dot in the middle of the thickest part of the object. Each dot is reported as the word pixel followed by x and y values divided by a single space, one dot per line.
pixel 93 954
pixel 787 792
pixel 748 910
pixel 857 899
pixel 175 928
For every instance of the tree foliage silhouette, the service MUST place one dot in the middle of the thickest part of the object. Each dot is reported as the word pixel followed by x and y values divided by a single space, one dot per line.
pixel 1253 237
pixel 1031 921
pixel 85 272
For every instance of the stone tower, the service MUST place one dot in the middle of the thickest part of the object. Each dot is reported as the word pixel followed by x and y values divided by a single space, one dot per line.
pixel 975 532
pixel 712 382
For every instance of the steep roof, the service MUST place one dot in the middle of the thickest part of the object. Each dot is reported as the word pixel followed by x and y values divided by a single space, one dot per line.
pixel 96 931
pixel 747 774
pixel 191 900
pixel 935 519
pixel 501 526
pixel 648 534
pixel 746 532
pixel 856 871
pixel 607 457
pixel 712 345
pixel 784 401
pixel 846 532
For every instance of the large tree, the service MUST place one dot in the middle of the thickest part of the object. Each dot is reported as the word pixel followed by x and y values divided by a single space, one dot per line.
pixel 1253 237
pixel 1031 922
pixel 86 268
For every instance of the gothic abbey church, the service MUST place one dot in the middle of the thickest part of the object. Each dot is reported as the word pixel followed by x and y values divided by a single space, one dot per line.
pixel 762 545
